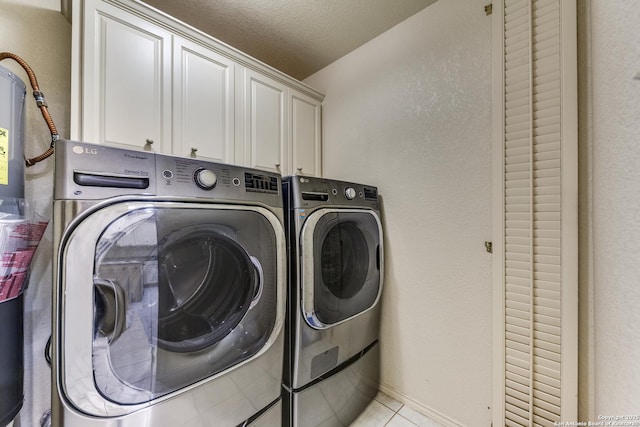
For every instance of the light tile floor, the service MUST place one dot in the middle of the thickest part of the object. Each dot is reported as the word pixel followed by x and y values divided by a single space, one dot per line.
pixel 385 411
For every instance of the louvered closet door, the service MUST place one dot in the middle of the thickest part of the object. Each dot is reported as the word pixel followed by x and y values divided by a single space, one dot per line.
pixel 536 224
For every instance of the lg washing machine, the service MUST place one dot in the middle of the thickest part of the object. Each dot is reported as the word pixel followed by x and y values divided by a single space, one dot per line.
pixel 335 243
pixel 169 291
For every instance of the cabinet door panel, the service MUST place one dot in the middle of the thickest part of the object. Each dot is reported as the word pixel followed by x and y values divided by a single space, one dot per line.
pixel 126 94
pixel 305 135
pixel 203 102
pixel 265 123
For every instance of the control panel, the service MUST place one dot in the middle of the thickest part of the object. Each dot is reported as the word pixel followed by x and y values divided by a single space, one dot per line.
pixel 313 191
pixel 190 177
pixel 93 171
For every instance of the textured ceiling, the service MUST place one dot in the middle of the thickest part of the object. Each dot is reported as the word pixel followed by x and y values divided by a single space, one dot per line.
pixel 298 37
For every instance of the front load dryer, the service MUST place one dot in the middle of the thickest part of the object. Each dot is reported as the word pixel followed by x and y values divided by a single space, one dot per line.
pixel 169 291
pixel 331 370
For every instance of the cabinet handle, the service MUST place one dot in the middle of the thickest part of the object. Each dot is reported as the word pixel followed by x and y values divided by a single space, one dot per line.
pixel 193 152
pixel 299 169
pixel 147 146
pixel 277 165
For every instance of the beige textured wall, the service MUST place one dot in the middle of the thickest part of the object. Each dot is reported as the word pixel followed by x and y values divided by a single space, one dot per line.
pixel 411 113
pixel 36 31
pixel 610 208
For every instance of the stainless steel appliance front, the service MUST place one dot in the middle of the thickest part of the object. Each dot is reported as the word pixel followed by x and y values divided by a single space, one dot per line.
pixel 168 304
pixel 336 280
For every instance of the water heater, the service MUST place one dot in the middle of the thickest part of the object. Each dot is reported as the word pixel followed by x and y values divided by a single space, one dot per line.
pixel 12 101
pixel 12 120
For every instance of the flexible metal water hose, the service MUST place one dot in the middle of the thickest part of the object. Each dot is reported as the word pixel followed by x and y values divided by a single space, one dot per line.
pixel 41 103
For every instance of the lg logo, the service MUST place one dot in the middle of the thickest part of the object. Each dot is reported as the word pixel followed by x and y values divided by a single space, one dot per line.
pixel 84 150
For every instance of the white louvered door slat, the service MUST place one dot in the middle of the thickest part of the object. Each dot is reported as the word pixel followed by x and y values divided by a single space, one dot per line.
pixel 536 237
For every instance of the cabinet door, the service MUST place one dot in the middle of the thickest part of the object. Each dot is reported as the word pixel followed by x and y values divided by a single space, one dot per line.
pixel 305 134
pixel 126 94
pixel 535 245
pixel 203 114
pixel 265 118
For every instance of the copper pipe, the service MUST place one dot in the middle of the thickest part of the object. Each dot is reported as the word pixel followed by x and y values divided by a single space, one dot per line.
pixel 42 104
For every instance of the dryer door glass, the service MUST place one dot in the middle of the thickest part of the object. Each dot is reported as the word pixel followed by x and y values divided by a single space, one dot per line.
pixel 180 294
pixel 346 265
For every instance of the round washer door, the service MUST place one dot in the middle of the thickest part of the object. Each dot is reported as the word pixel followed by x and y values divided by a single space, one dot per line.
pixel 181 292
pixel 341 265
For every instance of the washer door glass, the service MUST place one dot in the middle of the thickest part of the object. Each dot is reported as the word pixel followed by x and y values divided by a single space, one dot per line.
pixel 206 282
pixel 180 294
pixel 344 279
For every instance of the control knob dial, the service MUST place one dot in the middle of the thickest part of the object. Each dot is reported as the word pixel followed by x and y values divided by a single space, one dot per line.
pixel 205 178
pixel 350 193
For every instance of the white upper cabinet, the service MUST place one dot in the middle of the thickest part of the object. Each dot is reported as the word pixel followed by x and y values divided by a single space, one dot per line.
pixel 125 79
pixel 265 118
pixel 203 102
pixel 142 79
pixel 282 127
pixel 305 139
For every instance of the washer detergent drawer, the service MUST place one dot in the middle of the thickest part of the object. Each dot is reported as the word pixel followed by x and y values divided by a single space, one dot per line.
pixel 160 296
